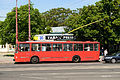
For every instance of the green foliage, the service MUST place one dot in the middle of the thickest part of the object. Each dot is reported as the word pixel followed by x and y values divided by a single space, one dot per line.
pixel 106 31
pixel 9 25
pixel 1 31
pixel 56 17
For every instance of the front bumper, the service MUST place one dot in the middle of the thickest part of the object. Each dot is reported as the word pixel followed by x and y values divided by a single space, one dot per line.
pixel 107 60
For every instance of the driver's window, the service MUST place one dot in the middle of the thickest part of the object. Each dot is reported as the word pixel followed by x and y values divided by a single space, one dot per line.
pixel 16 49
pixel 24 47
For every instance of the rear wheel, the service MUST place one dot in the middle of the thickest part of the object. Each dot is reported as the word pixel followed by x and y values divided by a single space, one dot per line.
pixel 76 59
pixel 113 61
pixel 34 60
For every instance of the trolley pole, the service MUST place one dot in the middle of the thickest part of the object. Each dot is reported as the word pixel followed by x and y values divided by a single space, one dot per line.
pixel 29 21
pixel 16 24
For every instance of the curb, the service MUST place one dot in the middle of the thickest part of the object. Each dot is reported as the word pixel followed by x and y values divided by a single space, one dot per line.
pixel 7 62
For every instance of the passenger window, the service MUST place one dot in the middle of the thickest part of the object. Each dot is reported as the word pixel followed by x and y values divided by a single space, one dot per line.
pixel 88 47
pixel 36 47
pixel 46 47
pixel 57 47
pixel 24 47
pixel 67 47
pixel 95 47
pixel 78 47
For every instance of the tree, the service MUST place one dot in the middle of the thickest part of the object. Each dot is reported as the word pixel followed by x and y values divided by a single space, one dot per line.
pixel 1 25
pixel 56 17
pixel 105 31
pixel 86 15
pixel 111 9
pixel 9 26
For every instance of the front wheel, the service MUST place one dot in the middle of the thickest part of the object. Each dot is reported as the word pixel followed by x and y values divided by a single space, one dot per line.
pixel 113 61
pixel 106 62
pixel 76 59
pixel 34 60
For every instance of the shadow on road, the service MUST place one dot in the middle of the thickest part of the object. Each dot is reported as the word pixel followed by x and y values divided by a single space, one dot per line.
pixel 52 62
pixel 8 55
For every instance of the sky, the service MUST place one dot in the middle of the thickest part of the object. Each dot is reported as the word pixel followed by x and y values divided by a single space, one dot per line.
pixel 43 5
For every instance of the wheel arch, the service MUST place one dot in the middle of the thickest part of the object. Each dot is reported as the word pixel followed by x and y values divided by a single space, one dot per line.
pixel 35 56
pixel 113 58
pixel 76 56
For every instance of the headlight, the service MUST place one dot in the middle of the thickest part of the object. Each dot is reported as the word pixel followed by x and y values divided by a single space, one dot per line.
pixel 16 57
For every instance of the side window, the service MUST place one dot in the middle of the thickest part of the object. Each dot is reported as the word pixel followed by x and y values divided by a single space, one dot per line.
pixel 88 47
pixel 95 47
pixel 36 47
pixel 24 47
pixel 67 47
pixel 57 47
pixel 78 47
pixel 46 47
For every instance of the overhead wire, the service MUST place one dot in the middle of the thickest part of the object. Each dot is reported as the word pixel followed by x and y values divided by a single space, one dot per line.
pixel 75 3
pixel 2 17
pixel 72 3
pixel 64 2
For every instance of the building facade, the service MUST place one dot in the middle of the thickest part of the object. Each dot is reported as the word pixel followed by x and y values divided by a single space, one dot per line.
pixel 7 48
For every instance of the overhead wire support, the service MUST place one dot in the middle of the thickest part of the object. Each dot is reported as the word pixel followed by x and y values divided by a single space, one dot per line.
pixel 84 26
pixel 16 24
pixel 29 22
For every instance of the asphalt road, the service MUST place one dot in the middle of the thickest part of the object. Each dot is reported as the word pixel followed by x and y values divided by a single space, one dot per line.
pixel 60 71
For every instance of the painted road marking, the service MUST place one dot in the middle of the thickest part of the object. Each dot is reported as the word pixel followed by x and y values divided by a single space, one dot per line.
pixel 88 73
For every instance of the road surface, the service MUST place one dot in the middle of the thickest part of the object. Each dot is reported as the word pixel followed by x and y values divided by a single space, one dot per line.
pixel 60 71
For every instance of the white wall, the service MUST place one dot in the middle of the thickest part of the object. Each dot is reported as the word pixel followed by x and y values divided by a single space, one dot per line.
pixel 7 48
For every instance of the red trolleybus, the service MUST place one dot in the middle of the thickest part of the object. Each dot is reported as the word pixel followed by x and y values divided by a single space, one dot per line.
pixel 76 51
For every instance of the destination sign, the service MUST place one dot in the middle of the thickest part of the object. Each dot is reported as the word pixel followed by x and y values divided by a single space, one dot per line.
pixel 65 37
pixel 54 37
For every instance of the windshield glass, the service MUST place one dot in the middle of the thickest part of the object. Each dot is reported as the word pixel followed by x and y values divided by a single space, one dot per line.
pixel 114 54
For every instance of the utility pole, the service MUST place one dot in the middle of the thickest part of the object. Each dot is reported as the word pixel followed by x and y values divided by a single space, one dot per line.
pixel 29 21
pixel 16 24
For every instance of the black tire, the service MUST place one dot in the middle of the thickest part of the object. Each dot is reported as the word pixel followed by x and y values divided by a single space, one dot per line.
pixel 16 63
pixel 106 62
pixel 113 60
pixel 76 59
pixel 34 60
pixel 97 60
